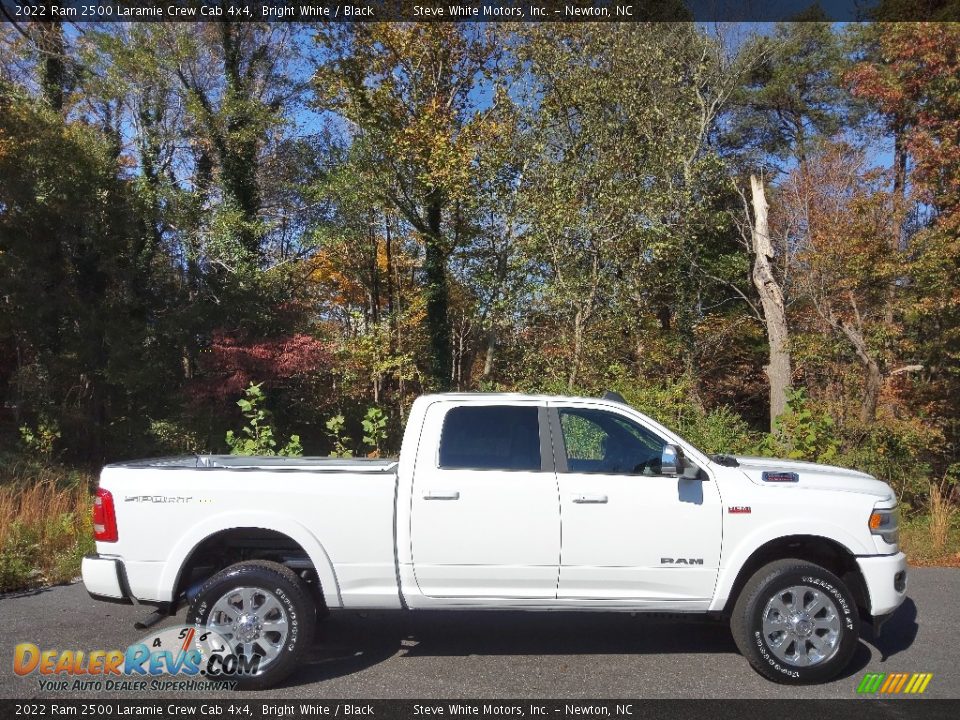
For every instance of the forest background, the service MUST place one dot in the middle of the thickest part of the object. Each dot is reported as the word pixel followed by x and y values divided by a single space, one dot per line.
pixel 270 238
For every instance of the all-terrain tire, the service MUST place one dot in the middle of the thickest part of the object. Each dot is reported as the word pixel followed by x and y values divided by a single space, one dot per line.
pixel 796 623
pixel 287 617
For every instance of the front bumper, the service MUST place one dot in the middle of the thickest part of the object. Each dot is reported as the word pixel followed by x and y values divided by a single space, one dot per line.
pixel 885 577
pixel 104 579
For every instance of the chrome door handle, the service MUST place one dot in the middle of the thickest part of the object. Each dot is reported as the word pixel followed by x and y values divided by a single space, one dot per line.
pixel 441 495
pixel 589 499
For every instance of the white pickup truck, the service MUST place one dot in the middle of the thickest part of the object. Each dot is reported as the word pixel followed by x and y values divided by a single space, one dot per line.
pixel 507 501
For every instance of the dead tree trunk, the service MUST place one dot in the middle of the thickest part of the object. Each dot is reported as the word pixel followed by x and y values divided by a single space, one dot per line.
pixel 872 371
pixel 778 369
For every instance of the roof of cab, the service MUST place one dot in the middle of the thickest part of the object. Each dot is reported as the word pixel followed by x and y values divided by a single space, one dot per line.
pixel 486 396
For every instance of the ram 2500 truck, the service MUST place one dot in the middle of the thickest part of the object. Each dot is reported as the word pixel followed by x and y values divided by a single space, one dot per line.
pixel 507 501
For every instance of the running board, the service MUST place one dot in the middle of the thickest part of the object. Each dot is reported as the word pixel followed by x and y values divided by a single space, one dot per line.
pixel 153 618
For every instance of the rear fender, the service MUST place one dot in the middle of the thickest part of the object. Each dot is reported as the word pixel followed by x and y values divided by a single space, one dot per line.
pixel 297 532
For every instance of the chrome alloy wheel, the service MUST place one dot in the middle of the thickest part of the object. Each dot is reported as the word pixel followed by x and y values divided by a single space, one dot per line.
pixel 801 626
pixel 253 621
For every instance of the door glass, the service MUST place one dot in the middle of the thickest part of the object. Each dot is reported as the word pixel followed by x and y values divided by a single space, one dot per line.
pixel 491 438
pixel 601 442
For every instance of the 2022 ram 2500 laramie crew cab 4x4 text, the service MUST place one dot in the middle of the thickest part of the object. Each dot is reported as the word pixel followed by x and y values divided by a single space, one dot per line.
pixel 507 501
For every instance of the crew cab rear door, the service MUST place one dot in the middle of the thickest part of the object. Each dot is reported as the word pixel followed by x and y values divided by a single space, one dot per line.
pixel 485 514
pixel 629 532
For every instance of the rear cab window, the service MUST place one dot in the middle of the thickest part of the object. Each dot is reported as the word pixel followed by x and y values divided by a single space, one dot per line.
pixel 491 437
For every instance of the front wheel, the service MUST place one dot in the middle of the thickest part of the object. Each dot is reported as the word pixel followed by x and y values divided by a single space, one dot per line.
pixel 264 613
pixel 796 622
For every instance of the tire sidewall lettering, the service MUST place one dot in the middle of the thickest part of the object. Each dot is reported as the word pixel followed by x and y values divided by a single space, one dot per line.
pixel 837 595
pixel 770 660
pixel 291 615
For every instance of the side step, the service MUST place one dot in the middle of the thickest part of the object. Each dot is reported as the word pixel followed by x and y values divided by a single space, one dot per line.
pixel 161 613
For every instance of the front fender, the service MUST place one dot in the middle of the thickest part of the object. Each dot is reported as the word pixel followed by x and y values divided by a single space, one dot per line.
pixel 732 563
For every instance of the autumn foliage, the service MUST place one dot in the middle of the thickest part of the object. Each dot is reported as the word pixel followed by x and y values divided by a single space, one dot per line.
pixel 347 219
pixel 231 364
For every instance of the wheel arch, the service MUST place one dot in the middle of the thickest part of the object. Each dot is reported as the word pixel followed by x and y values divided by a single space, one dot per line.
pixel 827 552
pixel 257 537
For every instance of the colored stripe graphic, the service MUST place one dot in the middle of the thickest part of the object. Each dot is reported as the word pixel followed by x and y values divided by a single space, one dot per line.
pixel 894 683
pixel 900 683
pixel 890 682
pixel 871 682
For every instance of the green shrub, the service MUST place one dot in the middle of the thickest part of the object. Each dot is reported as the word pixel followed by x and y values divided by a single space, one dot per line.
pixel 169 436
pixel 721 430
pixel 803 432
pixel 40 440
pixel 374 425
pixel 256 437
pixel 340 441
pixel 18 567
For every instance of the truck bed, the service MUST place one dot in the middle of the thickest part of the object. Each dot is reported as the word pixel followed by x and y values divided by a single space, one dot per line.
pixel 340 511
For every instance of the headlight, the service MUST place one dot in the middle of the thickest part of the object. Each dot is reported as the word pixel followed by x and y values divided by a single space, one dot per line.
pixel 886 524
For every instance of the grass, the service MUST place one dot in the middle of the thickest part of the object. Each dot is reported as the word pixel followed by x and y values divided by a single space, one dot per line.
pixel 942 517
pixel 933 538
pixel 45 527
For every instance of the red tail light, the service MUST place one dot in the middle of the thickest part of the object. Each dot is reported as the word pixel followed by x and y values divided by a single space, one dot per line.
pixel 104 517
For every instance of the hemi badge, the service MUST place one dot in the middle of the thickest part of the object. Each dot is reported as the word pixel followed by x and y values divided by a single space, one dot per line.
pixel 739 509
pixel 780 477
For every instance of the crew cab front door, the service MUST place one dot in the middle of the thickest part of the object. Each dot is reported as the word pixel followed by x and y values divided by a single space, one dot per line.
pixel 485 515
pixel 630 532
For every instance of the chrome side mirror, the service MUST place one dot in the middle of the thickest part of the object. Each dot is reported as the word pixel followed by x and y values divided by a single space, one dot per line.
pixel 673 463
pixel 671 460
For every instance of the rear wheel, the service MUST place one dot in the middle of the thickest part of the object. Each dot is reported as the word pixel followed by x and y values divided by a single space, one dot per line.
pixel 796 622
pixel 264 613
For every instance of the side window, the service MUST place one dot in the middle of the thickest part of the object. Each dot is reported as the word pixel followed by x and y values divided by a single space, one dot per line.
pixel 597 441
pixel 491 437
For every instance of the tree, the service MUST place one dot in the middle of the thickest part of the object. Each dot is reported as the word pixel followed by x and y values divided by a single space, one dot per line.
pixel 837 213
pixel 69 230
pixel 362 274
pixel 778 369
pixel 236 82
pixel 492 271
pixel 908 74
pixel 411 90
pixel 623 186
pixel 789 102
pixel 791 95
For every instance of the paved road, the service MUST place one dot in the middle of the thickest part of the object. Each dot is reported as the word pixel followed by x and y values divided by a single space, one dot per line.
pixel 517 655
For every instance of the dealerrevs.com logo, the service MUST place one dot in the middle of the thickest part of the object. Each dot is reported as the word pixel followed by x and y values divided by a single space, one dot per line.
pixel 894 683
pixel 191 656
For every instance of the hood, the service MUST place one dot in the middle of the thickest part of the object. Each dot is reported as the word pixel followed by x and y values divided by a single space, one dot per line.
pixel 814 476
